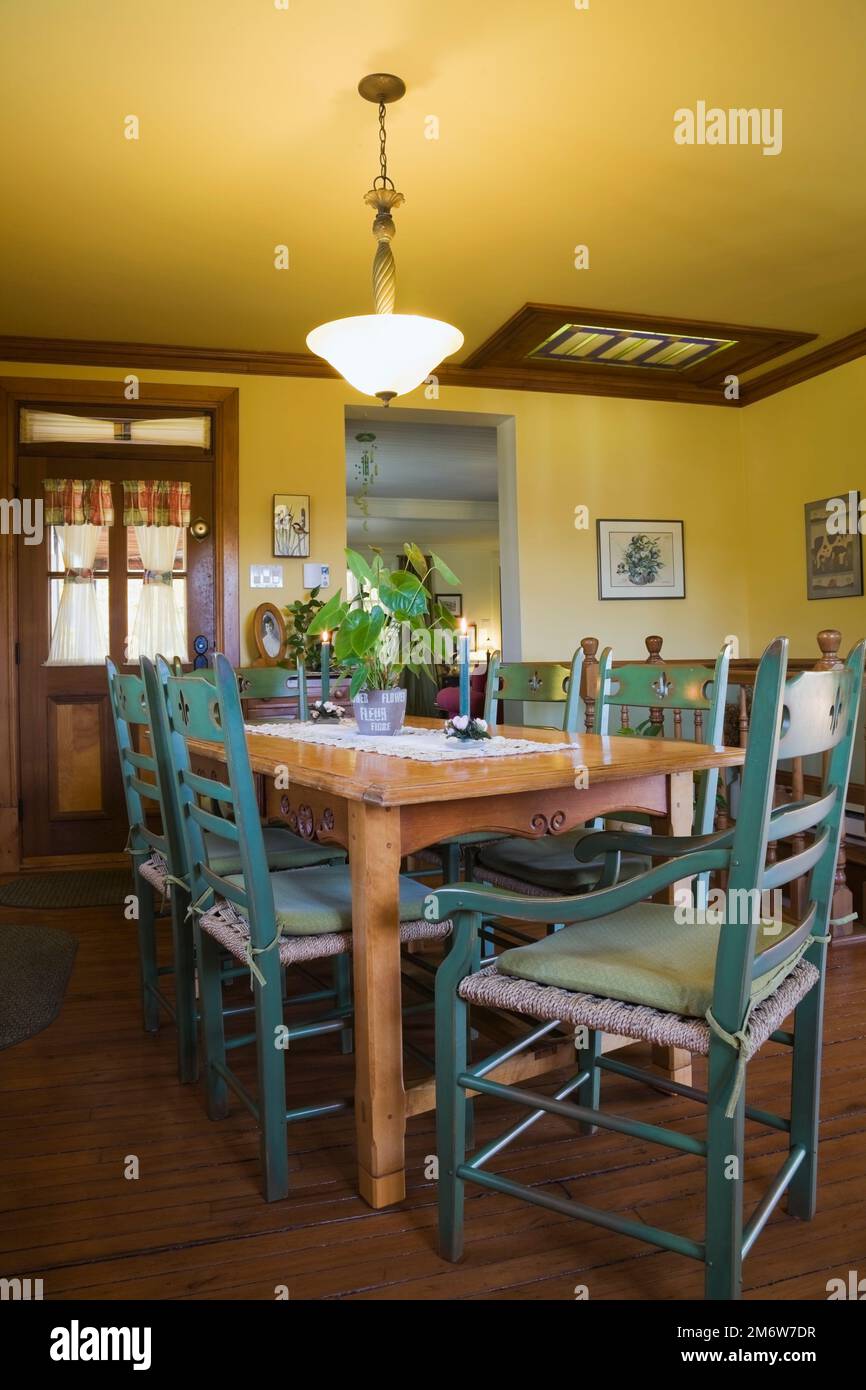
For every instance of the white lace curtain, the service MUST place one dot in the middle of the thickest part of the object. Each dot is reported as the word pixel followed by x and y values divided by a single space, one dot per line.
pixel 158 626
pixel 159 511
pixel 79 637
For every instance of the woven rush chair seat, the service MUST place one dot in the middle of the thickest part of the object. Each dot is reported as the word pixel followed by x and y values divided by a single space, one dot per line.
pixel 231 929
pixel 491 989
pixel 155 871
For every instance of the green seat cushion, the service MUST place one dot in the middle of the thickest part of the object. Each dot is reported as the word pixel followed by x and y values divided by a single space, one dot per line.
pixel 640 955
pixel 549 862
pixel 309 902
pixel 284 850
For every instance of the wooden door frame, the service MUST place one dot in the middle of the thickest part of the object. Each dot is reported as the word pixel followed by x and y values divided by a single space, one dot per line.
pixel 223 401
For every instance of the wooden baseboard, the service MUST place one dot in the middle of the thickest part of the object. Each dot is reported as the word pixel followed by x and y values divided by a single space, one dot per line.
pixel 51 863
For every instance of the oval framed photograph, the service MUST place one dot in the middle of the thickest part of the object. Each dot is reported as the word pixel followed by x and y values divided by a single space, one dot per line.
pixel 269 631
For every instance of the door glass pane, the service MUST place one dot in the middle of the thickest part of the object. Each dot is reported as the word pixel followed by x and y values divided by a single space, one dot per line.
pixel 55 551
pixel 133 598
pixel 55 588
pixel 133 553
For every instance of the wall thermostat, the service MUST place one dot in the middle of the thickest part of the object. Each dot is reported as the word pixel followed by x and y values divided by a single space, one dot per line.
pixel 317 576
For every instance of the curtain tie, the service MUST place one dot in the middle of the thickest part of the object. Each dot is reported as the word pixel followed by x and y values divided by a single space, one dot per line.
pixel 158 577
pixel 78 576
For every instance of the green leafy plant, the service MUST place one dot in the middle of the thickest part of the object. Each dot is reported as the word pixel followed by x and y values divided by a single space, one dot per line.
pixel 300 644
pixel 388 627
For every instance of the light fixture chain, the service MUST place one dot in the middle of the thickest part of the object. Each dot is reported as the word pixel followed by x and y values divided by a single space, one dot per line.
pixel 383 153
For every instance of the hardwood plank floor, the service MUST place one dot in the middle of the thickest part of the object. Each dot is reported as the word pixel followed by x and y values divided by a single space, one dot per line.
pixel 93 1089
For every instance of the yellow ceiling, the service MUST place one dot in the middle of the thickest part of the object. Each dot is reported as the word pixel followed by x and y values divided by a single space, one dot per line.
pixel 556 128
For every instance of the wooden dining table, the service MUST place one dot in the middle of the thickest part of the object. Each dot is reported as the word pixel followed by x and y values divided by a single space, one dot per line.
pixel 382 808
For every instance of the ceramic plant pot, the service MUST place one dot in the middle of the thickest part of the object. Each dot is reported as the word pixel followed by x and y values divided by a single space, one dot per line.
pixel 380 711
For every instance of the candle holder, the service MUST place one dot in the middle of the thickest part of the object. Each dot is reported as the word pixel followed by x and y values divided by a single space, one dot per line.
pixel 465 729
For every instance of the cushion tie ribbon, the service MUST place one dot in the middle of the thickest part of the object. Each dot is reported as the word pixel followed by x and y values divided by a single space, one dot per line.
pixel 740 1041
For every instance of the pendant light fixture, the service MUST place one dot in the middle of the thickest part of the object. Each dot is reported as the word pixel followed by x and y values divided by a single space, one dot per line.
pixel 384 354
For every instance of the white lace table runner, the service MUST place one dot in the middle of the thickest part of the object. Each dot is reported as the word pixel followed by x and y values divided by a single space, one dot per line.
pixel 425 745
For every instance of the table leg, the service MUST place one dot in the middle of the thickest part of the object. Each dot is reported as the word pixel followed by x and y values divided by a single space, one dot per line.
pixel 676 1062
pixel 380 1101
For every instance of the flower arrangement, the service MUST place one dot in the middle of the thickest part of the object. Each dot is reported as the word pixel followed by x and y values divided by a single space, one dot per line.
pixel 642 559
pixel 326 711
pixel 464 728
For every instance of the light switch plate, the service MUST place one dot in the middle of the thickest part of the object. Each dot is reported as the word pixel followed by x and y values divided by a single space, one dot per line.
pixel 266 576
pixel 317 576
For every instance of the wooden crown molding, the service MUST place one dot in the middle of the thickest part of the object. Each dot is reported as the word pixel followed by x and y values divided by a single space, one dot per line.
pixel 823 359
pixel 505 376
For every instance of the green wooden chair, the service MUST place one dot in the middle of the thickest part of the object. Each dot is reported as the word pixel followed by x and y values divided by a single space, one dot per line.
pixel 266 921
pixel 628 966
pixel 152 851
pixel 549 864
pixel 160 870
pixel 539 682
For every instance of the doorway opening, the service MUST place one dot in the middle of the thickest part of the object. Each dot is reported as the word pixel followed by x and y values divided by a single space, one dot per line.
pixel 445 481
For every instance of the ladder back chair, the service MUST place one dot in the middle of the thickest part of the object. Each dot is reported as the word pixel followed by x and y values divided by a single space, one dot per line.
pixel 549 864
pixel 539 682
pixel 267 921
pixel 718 987
pixel 156 857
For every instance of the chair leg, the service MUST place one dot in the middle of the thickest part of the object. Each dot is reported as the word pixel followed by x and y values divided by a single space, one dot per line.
pixel 451 863
pixel 147 953
pixel 270 1060
pixel 343 994
pixel 589 1093
pixel 184 987
pixel 209 955
pixel 724 1180
pixel 806 1101
pixel 452 1028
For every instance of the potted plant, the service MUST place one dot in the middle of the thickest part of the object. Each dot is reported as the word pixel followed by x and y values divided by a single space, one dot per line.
pixel 388 627
pixel 300 646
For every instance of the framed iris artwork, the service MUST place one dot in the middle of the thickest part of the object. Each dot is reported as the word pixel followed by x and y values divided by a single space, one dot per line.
pixel 834 554
pixel 641 559
pixel 291 526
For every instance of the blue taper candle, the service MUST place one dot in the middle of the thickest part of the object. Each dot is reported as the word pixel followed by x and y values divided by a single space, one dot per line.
pixel 326 666
pixel 463 663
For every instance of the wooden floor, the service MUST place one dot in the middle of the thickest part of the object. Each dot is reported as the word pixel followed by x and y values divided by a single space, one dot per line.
pixel 93 1089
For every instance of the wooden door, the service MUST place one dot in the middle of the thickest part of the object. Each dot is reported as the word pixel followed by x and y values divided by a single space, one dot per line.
pixel 71 795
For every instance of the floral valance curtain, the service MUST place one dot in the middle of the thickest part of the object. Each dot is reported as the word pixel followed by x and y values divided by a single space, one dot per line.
pixel 78 502
pixel 155 503
pixel 159 511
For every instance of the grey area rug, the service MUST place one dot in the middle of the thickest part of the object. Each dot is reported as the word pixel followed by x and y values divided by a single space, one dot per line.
pixel 73 888
pixel 37 964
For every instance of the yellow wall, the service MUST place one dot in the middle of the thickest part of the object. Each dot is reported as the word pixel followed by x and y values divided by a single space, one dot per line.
pixel 618 457
pixel 801 445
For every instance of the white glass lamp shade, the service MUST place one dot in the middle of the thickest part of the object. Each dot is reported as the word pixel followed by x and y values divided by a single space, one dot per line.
pixel 385 354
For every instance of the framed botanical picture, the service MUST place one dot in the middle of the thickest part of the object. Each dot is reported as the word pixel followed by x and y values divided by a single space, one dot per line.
pixel 834 550
pixel 641 559
pixel 291 525
pixel 453 602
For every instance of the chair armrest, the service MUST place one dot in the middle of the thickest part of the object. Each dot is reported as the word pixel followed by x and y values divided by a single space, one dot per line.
pixel 479 898
pixel 652 846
